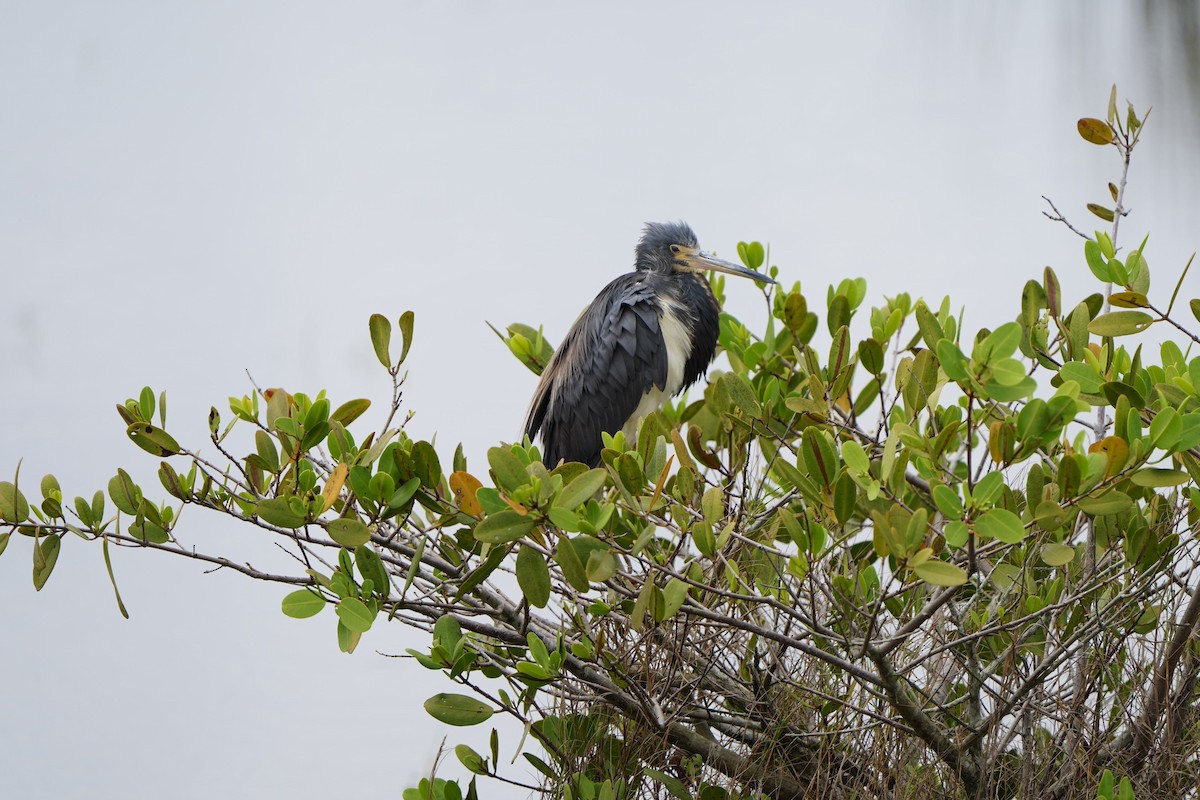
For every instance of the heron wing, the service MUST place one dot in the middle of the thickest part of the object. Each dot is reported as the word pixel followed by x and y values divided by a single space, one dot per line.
pixel 612 356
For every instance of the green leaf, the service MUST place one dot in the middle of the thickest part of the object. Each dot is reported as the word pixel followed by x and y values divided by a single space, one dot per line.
pixel 1008 372
pixel 1057 555
pixel 349 411
pixel 1090 381
pixel 870 355
pixel 751 254
pixel 13 505
pixel 845 498
pixel 457 709
pixel 507 468
pixel 712 504
pixel 355 615
pixel 1120 323
pixel 564 520
pixel 1166 428
pixel 381 337
pixel 600 566
pixel 146 403
pixel 1113 502
pixel 1002 524
pixel 45 556
pixel 671 784
pixel 1095 261
pixel 741 394
pixel 947 501
pixel 1000 343
pixel 573 570
pixel 674 593
pixel 931 330
pixel 1006 394
pixel 820 458
pixel 303 604
pixel 1100 211
pixel 473 762
pixel 370 565
pixel 702 535
pixel 956 534
pixel 406 333
pixel 124 492
pixel 347 639
pixel 1159 478
pixel 111 578
pixel 987 490
pixel 4 537
pixel 504 526
pixel 540 765
pixel 939 573
pixel 533 576
pixel 1194 305
pixel 50 487
pixel 855 457
pixel 629 470
pixel 276 511
pixel 1106 788
pixel 953 362
pixel 447 632
pixel 403 496
pixel 481 573
pixel 348 531
pixel 582 489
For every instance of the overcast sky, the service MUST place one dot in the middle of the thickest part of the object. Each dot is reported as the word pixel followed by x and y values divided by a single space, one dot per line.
pixel 189 191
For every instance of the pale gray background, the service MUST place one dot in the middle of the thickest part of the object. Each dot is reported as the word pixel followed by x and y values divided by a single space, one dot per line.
pixel 191 190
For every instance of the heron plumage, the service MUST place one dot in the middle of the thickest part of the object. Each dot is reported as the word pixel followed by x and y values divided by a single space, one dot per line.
pixel 646 337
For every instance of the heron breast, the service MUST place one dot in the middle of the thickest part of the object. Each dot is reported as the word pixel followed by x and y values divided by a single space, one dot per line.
pixel 677 338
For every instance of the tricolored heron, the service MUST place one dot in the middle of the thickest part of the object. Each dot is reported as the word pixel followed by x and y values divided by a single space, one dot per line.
pixel 646 337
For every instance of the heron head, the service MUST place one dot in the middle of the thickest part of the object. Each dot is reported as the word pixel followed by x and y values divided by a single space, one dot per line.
pixel 671 248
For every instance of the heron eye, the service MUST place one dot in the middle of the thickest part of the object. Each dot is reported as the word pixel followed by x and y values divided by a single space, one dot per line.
pixel 676 248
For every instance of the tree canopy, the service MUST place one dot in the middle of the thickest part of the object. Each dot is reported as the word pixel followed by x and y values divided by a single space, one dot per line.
pixel 880 555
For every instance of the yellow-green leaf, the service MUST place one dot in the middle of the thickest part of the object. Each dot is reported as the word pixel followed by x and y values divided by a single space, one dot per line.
pixel 1056 555
pixel 939 573
pixel 674 593
pixel 504 526
pixel 348 532
pixel 1095 131
pixel 303 604
pixel 381 338
pixel 582 489
pixel 1113 502
pixel 350 410
pixel 533 576
pixel 1129 300
pixel 1002 524
pixel 1120 323
pixel 45 556
pixel 457 709
pixel 13 505
pixel 1159 478
pixel 276 511
pixel 406 333
pixel 354 614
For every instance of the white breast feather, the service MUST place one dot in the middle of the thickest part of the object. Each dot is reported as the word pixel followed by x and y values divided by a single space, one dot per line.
pixel 679 344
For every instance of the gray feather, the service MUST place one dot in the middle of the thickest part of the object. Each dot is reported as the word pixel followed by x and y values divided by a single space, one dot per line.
pixel 612 356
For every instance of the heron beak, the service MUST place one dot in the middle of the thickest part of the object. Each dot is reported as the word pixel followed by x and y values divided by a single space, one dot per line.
pixel 702 261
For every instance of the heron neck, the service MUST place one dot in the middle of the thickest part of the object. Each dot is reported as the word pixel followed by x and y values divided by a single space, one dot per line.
pixel 704 314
